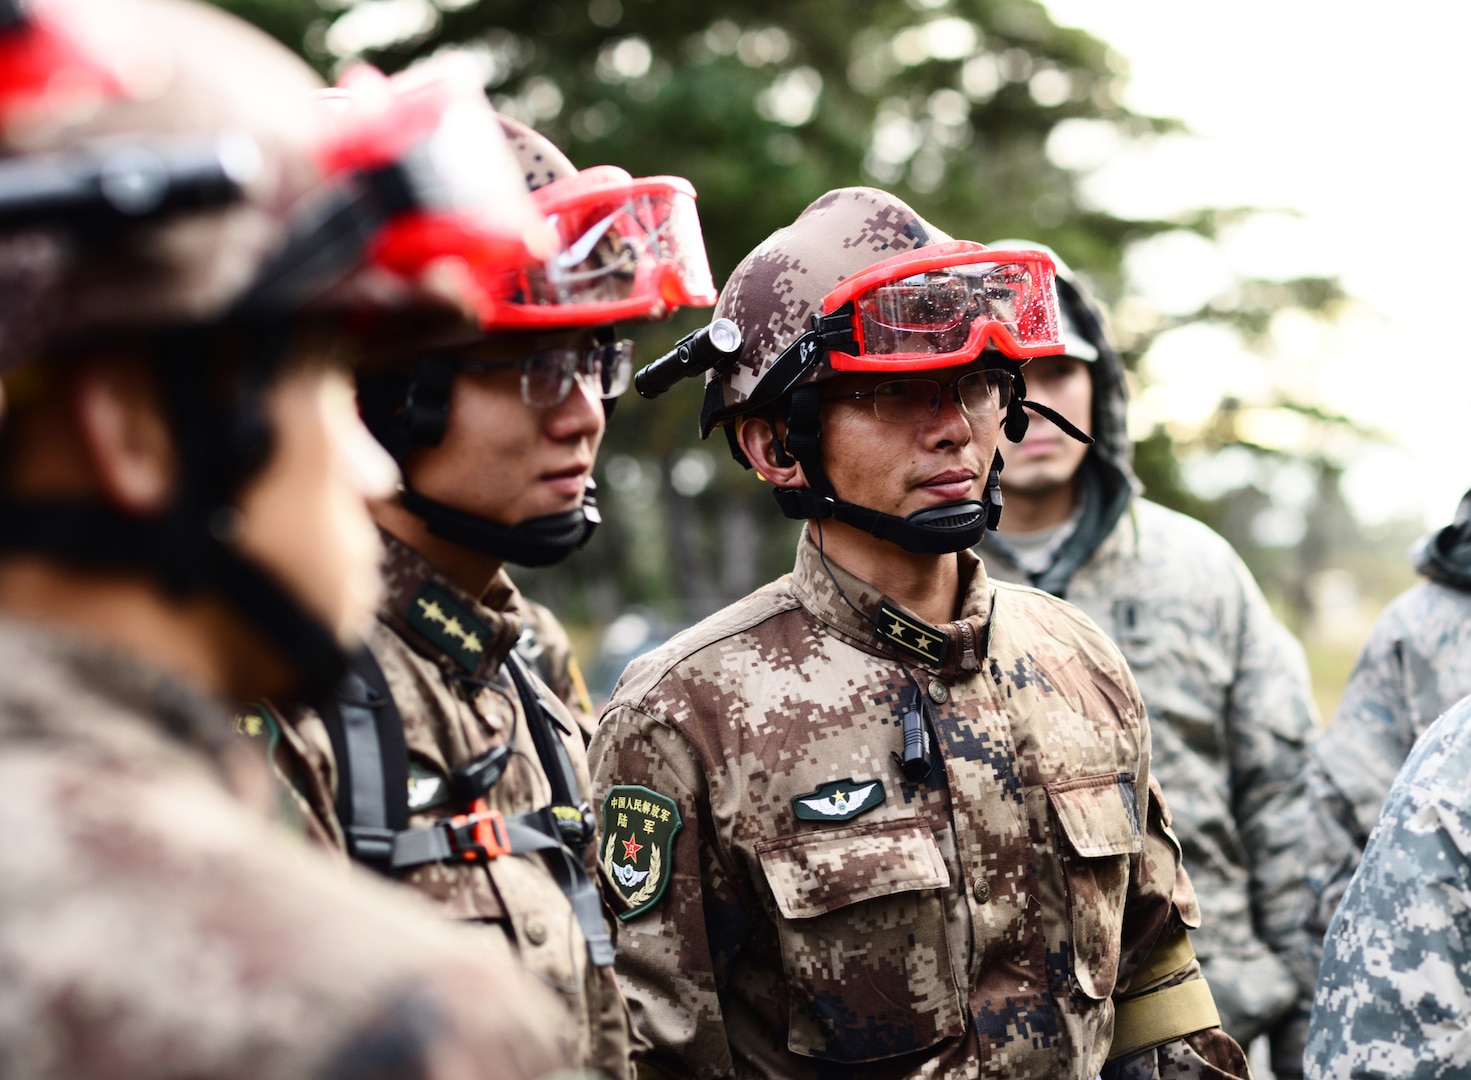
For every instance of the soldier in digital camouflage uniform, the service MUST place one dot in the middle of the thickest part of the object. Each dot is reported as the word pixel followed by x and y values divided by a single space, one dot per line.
pixel 497 433
pixel 1226 685
pixel 1394 997
pixel 885 817
pixel 1415 665
pixel 183 521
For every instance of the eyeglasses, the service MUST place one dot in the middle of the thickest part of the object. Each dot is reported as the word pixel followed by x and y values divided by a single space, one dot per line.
pixel 979 394
pixel 546 376
pixel 625 249
pixel 940 305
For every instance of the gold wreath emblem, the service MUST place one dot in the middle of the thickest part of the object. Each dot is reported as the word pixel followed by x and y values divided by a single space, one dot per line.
pixel 650 887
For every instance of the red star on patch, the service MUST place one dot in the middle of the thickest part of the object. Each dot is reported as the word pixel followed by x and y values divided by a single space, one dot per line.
pixel 631 848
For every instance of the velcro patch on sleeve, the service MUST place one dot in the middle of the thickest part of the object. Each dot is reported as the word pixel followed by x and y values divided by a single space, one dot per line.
pixel 639 826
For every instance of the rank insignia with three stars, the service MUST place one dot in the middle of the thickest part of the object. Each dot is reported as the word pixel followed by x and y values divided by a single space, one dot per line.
pixel 839 800
pixel 639 826
pixel 449 625
pixel 913 637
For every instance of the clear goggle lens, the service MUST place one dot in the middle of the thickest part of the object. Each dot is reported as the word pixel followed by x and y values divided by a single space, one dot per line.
pixel 938 311
pixel 624 249
pixel 941 305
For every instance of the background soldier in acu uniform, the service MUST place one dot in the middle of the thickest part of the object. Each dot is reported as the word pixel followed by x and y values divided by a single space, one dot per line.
pixel 885 817
pixel 1227 688
pixel 447 763
pixel 182 520
pixel 1394 999
pixel 1415 665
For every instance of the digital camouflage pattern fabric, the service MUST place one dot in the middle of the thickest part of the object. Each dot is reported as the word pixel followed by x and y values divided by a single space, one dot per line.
pixel 1415 665
pixel 154 923
pixel 1394 999
pixel 1231 709
pixel 983 922
pixel 442 653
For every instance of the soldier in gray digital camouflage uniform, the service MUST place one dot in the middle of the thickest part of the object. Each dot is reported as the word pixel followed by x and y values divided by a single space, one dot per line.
pixel 885 817
pixel 1226 685
pixel 445 762
pixel 1415 665
pixel 1394 998
pixel 183 480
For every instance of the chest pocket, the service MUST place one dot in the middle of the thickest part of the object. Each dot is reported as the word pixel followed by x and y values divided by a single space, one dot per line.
pixel 863 943
pixel 1100 826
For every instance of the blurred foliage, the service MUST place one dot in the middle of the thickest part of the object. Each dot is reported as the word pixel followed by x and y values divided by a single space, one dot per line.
pixel 958 106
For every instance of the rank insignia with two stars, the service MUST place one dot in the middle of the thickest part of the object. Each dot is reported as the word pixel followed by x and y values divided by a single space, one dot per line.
pixel 638 845
pixel 913 637
pixel 839 800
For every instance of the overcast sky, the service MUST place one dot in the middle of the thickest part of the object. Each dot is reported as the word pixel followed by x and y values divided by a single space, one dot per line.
pixel 1353 115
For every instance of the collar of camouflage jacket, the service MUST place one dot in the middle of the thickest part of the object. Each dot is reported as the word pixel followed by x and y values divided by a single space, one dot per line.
pixel 442 621
pixel 882 627
pixel 60 687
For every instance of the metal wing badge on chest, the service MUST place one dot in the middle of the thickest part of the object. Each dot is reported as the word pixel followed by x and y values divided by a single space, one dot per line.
pixel 839 800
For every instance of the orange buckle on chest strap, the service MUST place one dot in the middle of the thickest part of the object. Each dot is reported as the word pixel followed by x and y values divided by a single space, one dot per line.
pixel 480 834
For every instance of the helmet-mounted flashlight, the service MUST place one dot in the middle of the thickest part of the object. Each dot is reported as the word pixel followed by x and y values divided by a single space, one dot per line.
pixel 123 183
pixel 715 346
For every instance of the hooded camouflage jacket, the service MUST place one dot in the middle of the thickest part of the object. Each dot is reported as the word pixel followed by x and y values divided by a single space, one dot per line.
pixel 1395 995
pixel 796 908
pixel 1230 703
pixel 442 653
pixel 1415 665
pixel 155 924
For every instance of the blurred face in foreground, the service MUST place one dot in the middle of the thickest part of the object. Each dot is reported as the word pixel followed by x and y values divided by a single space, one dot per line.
pixel 305 514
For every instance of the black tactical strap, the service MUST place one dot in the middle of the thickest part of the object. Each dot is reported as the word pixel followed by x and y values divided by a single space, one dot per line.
pixel 570 871
pixel 555 761
pixel 372 757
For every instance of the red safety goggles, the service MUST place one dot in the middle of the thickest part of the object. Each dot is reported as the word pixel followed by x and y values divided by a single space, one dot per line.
pixel 426 143
pixel 940 306
pixel 44 62
pixel 625 249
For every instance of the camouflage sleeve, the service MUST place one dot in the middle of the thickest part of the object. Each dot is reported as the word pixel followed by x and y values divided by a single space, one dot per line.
pixel 1162 904
pixel 1270 719
pixel 1373 729
pixel 1396 980
pixel 671 964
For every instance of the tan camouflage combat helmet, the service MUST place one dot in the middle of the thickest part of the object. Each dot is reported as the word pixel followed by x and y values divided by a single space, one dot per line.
pixel 215 178
pixel 773 293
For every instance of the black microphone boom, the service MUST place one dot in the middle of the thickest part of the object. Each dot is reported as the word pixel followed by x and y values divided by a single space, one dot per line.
pixel 715 346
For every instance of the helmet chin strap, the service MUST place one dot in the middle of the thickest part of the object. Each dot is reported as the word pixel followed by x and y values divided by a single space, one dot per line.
pixel 535 542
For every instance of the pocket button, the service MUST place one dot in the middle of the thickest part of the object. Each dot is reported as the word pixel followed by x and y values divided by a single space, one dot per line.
pixel 982 890
pixel 536 931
